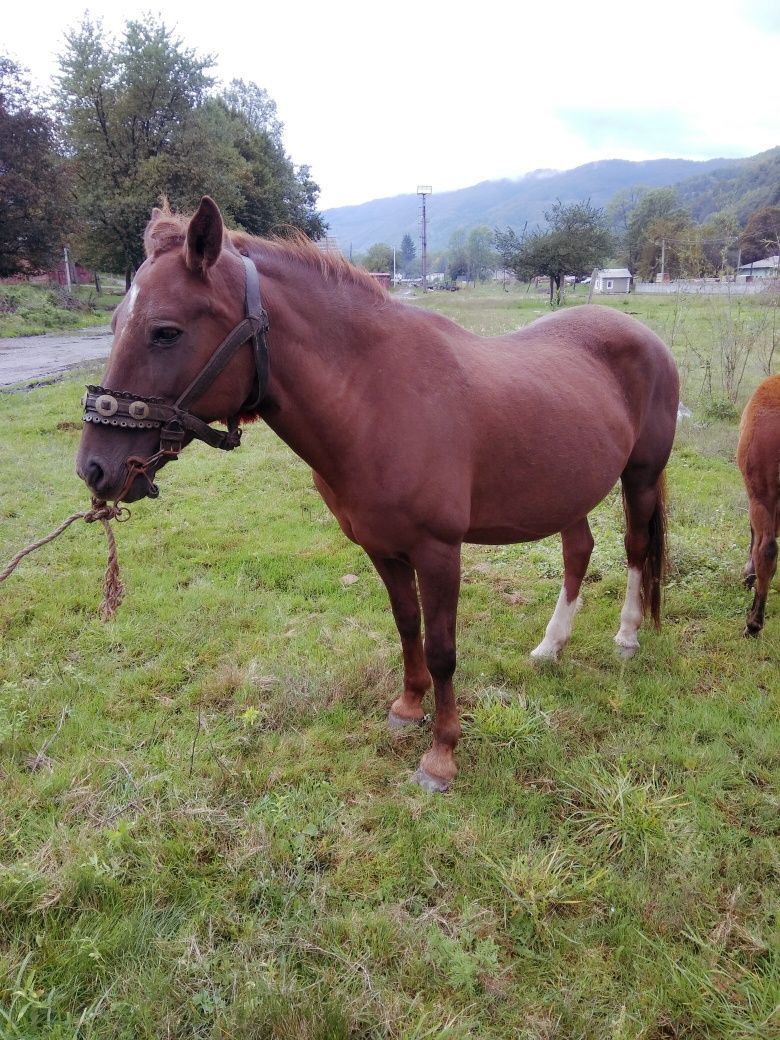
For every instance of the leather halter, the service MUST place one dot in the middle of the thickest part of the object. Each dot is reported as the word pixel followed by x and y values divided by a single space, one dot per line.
pixel 126 410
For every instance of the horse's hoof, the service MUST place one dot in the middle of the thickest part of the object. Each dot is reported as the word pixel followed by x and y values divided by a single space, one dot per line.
pixel 544 653
pixel 751 630
pixel 432 784
pixel 626 651
pixel 396 722
pixel 749 581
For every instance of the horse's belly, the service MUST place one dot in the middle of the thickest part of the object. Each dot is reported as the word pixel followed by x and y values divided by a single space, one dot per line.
pixel 521 499
pixel 503 535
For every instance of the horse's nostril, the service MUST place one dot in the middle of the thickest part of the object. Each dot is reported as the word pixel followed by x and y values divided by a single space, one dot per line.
pixel 93 474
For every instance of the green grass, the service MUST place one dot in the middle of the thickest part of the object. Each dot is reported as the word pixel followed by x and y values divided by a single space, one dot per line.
pixel 207 831
pixel 30 310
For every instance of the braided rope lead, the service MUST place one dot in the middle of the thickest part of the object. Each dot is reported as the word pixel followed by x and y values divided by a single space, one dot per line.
pixel 113 589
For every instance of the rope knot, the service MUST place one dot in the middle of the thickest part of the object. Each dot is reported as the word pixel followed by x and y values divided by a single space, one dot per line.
pixel 101 510
pixel 113 589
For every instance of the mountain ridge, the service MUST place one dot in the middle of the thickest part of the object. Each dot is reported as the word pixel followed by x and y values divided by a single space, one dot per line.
pixel 513 202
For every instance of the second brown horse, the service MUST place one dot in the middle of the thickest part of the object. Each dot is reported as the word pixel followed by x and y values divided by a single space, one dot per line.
pixel 758 456
pixel 421 435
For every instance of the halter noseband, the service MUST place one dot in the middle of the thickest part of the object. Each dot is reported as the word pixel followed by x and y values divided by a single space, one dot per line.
pixel 174 421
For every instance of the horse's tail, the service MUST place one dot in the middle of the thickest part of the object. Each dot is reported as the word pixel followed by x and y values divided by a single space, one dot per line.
pixel 655 564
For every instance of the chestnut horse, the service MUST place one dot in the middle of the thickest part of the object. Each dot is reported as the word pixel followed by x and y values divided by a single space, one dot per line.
pixel 758 457
pixel 421 435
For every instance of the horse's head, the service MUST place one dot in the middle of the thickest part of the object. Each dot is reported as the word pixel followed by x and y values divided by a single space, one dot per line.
pixel 187 302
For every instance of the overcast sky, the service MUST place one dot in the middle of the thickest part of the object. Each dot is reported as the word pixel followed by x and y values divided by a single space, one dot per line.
pixel 379 97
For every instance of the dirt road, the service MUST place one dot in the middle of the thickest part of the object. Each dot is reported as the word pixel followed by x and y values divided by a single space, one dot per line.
pixel 30 358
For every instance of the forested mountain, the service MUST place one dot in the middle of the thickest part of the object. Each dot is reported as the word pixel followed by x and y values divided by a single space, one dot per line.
pixel 743 187
pixel 704 187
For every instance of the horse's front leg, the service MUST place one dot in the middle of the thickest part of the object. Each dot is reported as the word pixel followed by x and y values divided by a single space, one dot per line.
pixel 577 546
pixel 438 571
pixel 401 585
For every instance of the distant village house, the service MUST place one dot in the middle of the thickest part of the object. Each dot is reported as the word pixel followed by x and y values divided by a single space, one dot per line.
pixel 613 281
pixel 769 267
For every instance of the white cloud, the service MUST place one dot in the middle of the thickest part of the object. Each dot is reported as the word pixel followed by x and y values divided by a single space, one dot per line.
pixel 379 98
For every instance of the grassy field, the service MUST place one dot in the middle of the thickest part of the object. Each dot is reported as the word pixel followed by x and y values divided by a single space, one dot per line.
pixel 207 831
pixel 30 310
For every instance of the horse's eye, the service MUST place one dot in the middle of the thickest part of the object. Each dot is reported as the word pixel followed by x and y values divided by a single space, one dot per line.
pixel 166 335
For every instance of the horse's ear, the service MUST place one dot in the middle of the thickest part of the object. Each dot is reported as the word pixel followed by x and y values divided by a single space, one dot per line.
pixel 204 237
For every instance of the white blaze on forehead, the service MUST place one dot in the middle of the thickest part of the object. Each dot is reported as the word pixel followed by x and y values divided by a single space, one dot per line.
pixel 131 298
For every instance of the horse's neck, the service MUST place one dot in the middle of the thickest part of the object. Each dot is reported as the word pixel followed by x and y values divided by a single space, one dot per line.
pixel 321 347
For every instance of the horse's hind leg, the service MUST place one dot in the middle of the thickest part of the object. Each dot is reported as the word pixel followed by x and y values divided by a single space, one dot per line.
pixel 645 541
pixel 749 570
pixel 401 585
pixel 577 546
pixel 763 524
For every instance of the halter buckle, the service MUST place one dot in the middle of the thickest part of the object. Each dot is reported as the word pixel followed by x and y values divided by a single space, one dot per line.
pixel 172 438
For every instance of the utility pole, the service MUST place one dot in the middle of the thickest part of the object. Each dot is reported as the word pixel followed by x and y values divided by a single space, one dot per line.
pixel 422 191
pixel 663 257
pixel 68 284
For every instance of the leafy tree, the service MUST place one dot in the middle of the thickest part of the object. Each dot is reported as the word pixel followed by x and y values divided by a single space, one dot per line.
pixel 482 257
pixel 619 212
pixel 720 235
pixel 275 191
pixel 576 241
pixel 256 106
pixel 34 203
pixel 408 253
pixel 761 236
pixel 141 122
pixel 128 111
pixel 457 255
pixel 656 226
pixel 378 258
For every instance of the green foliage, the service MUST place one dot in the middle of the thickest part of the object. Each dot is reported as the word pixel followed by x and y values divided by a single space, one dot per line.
pixel 761 236
pixel 34 202
pixel 128 110
pixel 141 122
pixel 576 241
pixel 656 225
pixel 274 192
pixel 482 257
pixel 470 256
pixel 408 253
pixel 379 258
pixel 457 255
pixel 740 186
pixel 29 310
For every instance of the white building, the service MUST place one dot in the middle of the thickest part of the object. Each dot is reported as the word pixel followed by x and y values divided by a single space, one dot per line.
pixel 613 280
pixel 769 267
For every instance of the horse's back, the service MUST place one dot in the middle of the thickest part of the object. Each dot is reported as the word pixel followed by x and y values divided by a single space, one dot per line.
pixel 565 404
pixel 615 340
pixel 589 365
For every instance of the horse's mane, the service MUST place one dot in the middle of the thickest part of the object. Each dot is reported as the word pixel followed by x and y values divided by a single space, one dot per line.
pixel 167 230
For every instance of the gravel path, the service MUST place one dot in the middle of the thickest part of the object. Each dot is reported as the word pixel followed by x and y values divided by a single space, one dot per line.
pixel 27 359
